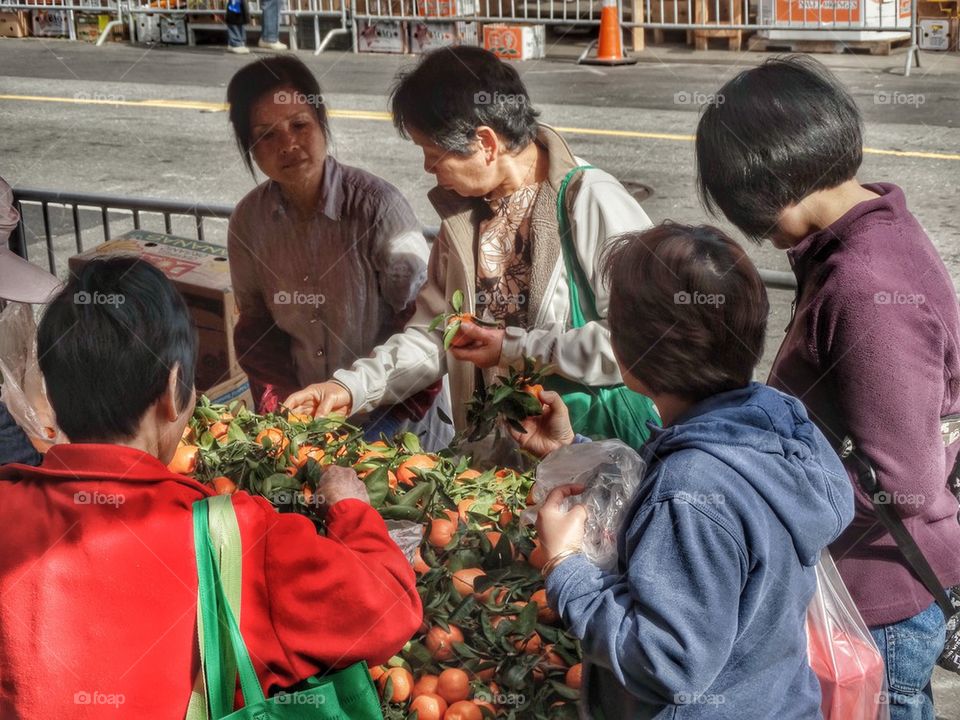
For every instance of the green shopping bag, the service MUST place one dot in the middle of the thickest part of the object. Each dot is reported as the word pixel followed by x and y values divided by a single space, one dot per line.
pixel 347 694
pixel 612 411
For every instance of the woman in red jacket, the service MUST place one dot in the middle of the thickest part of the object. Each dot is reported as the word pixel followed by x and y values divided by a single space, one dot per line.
pixel 98 584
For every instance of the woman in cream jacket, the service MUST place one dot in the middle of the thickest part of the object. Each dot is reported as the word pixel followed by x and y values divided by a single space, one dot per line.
pixel 498 173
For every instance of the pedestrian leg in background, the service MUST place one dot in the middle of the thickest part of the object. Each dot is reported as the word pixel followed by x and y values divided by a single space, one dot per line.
pixel 237 39
pixel 270 20
pixel 910 649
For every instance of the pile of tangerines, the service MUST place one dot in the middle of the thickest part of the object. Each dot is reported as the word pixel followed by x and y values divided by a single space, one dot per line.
pixel 490 646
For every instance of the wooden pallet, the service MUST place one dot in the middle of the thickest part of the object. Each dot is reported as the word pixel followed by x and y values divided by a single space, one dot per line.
pixel 873 47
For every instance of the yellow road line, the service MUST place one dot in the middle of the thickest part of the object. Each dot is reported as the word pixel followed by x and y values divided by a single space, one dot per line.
pixel 107 99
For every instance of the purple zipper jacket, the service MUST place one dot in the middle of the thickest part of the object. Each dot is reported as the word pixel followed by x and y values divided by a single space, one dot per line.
pixel 873 351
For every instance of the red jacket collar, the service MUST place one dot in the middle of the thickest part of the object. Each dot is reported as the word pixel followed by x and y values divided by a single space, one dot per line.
pixel 79 461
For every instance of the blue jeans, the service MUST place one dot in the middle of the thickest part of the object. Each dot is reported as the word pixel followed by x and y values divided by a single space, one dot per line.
pixel 910 649
pixel 382 420
pixel 237 35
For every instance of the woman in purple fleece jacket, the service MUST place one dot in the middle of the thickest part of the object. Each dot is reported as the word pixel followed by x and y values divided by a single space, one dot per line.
pixel 873 347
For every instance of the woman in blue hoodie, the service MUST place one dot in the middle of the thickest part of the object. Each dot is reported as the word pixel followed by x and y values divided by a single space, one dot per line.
pixel 704 615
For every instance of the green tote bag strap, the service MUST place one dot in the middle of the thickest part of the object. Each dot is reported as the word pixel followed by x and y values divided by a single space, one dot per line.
pixel 217 621
pixel 576 277
pixel 597 412
pixel 347 694
pixel 225 536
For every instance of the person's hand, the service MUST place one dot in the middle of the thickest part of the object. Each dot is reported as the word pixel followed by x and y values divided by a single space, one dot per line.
pixel 478 345
pixel 340 483
pixel 559 530
pixel 547 432
pixel 320 399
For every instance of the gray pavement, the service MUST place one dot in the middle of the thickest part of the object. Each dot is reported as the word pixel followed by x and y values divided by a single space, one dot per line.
pixel 632 121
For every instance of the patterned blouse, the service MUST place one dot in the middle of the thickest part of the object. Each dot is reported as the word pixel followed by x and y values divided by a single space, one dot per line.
pixel 504 258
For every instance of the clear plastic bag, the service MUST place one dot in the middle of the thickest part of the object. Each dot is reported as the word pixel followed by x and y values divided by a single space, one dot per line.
pixel 842 652
pixel 611 472
pixel 407 535
pixel 23 391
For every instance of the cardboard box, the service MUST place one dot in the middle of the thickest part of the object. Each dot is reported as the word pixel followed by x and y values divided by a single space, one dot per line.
pixel 89 26
pixel 447 8
pixel 382 36
pixel 234 388
pixel 173 29
pixel 50 23
pixel 515 42
pixel 14 24
pixel 427 36
pixel 201 273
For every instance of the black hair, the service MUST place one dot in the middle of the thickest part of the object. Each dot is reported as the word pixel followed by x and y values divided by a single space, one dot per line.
pixel 688 309
pixel 454 90
pixel 253 81
pixel 107 343
pixel 773 135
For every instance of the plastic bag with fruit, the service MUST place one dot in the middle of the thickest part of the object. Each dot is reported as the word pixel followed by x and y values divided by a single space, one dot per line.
pixel 842 652
pixel 611 471
pixel 22 390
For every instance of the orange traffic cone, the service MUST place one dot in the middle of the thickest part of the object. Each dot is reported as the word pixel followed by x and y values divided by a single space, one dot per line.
pixel 610 49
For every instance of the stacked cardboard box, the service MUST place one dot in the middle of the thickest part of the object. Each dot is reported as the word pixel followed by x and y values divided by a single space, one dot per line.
pixel 201 273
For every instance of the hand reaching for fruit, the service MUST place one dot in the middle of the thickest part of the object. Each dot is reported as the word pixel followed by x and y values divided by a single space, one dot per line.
pixel 320 400
pixel 542 434
pixel 340 483
pixel 478 345
pixel 454 322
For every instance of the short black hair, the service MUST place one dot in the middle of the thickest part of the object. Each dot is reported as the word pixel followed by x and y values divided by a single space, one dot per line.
pixel 253 81
pixel 454 90
pixel 107 343
pixel 688 309
pixel 773 135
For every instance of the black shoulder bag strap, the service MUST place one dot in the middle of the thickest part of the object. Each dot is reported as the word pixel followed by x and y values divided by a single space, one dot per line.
pixel 885 507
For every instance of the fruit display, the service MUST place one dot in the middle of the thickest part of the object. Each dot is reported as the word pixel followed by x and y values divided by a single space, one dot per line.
pixel 489 646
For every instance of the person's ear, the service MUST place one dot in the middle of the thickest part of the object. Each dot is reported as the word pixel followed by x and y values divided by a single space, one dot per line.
pixel 170 408
pixel 489 143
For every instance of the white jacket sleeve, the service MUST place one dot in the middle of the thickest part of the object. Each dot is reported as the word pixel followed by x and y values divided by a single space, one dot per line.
pixel 601 210
pixel 408 361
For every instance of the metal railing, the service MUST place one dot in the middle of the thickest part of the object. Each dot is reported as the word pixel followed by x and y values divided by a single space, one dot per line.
pixel 136 208
pixel 290 12
pixel 102 211
pixel 70 9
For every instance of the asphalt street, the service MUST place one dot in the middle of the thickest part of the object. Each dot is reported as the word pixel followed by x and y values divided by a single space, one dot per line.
pixel 149 122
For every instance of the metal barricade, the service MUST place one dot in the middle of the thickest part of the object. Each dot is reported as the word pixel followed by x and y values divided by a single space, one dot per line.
pixel 209 14
pixel 67 10
pixel 135 211
pixel 55 222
